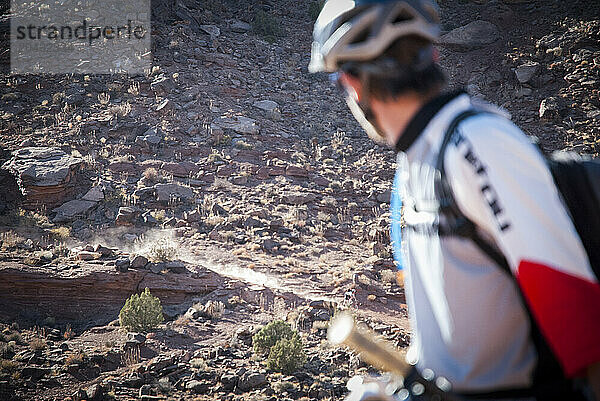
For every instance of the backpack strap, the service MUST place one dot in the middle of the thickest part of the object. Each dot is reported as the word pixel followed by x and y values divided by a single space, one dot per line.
pixel 456 223
pixel 549 382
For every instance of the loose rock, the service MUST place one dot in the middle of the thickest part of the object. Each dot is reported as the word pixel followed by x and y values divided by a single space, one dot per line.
pixel 138 262
pixel 251 380
pixel 46 176
pixel 525 72
pixel 71 209
pixel 474 35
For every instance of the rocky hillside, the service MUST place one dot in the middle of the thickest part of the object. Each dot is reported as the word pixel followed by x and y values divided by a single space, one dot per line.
pixel 229 174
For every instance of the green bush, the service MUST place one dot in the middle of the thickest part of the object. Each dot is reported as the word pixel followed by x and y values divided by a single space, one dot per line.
pixel 270 334
pixel 266 25
pixel 287 355
pixel 141 312
pixel 283 346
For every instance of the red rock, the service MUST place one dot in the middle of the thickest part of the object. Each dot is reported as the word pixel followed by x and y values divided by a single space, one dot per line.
pixel 91 291
pixel 295 171
pixel 85 255
pixel 45 176
pixel 277 154
pixel 263 173
pixel 276 170
pixel 183 169
pixel 124 168
pixel 226 170
pixel 323 182
pixel 247 155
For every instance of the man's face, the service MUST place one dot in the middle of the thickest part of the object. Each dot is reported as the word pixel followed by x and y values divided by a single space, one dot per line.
pixel 354 96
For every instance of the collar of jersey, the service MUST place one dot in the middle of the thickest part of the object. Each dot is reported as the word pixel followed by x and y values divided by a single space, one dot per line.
pixel 420 121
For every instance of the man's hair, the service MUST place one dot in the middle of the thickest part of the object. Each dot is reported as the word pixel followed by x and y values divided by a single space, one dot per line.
pixel 414 70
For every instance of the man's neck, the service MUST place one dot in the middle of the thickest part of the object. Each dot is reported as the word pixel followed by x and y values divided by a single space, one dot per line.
pixel 393 116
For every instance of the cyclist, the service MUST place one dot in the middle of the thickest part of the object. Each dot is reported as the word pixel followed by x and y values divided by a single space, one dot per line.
pixel 512 310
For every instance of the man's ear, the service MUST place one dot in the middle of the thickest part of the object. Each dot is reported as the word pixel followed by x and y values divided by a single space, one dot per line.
pixel 352 85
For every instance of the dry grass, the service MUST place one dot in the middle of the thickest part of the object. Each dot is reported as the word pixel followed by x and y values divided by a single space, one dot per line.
pixel 162 251
pixel 16 337
pixel 131 357
pixel 388 276
pixel 199 364
pixel 61 233
pixel 69 333
pixel 38 344
pixel 211 309
pixel 75 358
pixel 7 367
pixel 151 174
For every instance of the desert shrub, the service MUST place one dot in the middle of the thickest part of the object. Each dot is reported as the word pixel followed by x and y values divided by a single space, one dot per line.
pixel 60 233
pixel 75 359
pixel 7 351
pixel 151 174
pixel 164 386
pixel 141 312
pixel 7 366
pixel 38 344
pixel 198 363
pixel 266 25
pixel 131 356
pixel 69 333
pixel 282 386
pixel 270 334
pixel 287 355
pixel 214 309
pixel 16 337
pixel 162 251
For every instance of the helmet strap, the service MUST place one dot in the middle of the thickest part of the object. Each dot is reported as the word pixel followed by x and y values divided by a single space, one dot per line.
pixel 365 102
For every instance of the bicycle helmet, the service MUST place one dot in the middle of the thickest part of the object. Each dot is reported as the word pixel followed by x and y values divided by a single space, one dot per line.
pixel 361 30
pixel 354 34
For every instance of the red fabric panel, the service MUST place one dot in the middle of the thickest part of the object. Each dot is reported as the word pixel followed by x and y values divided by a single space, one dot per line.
pixel 567 310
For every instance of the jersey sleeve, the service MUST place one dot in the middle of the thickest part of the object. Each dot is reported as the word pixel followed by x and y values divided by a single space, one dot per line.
pixel 502 183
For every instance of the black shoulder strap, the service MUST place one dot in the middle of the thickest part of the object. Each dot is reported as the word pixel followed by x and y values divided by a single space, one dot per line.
pixel 456 223
pixel 549 383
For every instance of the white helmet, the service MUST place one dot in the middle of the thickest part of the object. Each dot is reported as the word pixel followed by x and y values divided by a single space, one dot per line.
pixel 361 30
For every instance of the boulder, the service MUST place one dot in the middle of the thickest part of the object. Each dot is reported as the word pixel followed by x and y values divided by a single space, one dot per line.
pixel 95 392
pixel 138 262
pixel 549 108
pixel 72 209
pixel 239 26
pixel 240 124
pixel 152 137
pixel 122 265
pixel 135 338
pixel 198 387
pixel 167 192
pixel 266 105
pixel 95 194
pixel 525 72
pixel 474 35
pixel 126 216
pixel 182 169
pixel 45 176
pixel 251 380
pixel 270 107
pixel 212 30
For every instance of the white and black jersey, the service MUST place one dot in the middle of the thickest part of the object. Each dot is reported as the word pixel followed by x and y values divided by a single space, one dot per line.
pixel 468 319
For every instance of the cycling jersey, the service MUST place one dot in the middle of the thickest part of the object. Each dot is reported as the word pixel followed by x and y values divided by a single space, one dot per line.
pixel 468 320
